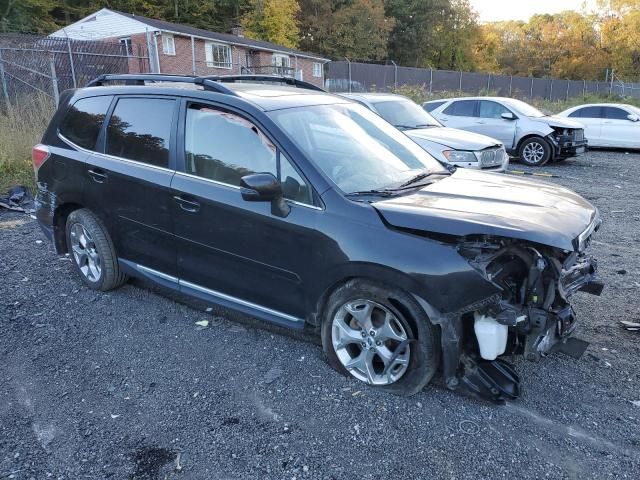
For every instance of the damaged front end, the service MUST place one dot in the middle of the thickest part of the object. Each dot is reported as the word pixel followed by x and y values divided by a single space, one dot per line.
pixel 531 316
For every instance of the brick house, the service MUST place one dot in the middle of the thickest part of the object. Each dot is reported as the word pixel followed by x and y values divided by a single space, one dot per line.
pixel 180 49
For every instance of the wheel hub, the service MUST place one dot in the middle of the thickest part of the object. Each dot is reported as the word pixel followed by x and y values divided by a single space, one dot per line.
pixel 85 253
pixel 370 342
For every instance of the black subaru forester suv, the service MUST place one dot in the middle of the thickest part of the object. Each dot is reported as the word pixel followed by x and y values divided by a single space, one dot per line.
pixel 269 196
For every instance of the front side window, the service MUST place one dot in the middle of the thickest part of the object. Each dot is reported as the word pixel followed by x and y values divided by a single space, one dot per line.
pixel 353 146
pixel 462 108
pixel 491 109
pixel 614 113
pixel 168 44
pixel 218 55
pixel 139 129
pixel 84 119
pixel 224 147
pixel 405 114
pixel 431 106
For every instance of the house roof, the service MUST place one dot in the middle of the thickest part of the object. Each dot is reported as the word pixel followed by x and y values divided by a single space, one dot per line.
pixel 222 37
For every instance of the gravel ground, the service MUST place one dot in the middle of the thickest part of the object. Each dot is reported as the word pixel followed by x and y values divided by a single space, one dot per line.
pixel 125 385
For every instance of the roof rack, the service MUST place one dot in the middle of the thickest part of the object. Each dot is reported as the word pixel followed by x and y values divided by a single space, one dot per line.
pixel 142 79
pixel 294 82
pixel 212 83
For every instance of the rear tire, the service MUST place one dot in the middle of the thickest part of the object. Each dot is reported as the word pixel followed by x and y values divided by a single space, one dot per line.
pixel 535 152
pixel 92 251
pixel 403 353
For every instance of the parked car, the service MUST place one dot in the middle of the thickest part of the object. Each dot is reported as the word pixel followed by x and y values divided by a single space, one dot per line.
pixel 448 145
pixel 525 131
pixel 302 208
pixel 608 124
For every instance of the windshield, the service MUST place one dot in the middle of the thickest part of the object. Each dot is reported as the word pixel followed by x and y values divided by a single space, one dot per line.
pixel 405 114
pixel 354 147
pixel 524 108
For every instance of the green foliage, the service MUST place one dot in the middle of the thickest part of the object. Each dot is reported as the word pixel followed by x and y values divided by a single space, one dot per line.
pixel 274 21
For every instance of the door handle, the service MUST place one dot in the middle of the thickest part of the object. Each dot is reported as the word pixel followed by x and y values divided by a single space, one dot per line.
pixel 97 175
pixel 187 205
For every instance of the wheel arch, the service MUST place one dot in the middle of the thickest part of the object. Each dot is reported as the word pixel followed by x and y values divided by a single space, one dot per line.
pixel 60 216
pixel 371 272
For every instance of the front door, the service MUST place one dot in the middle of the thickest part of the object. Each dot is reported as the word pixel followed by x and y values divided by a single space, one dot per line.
pixel 128 180
pixel 491 123
pixel 229 247
pixel 617 129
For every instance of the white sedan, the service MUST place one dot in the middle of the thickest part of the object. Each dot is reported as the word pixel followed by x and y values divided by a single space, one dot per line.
pixel 608 124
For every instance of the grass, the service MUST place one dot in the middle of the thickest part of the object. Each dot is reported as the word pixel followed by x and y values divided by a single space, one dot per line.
pixel 21 127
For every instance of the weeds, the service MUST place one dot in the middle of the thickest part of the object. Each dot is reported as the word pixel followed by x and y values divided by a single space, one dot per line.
pixel 21 127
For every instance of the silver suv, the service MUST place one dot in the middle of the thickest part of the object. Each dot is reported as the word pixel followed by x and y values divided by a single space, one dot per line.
pixel 447 145
pixel 524 130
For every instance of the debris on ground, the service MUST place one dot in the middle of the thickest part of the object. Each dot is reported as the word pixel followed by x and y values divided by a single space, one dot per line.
pixel 631 326
pixel 18 199
pixel 202 323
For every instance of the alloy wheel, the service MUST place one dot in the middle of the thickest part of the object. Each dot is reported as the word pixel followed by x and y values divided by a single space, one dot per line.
pixel 533 152
pixel 370 342
pixel 85 253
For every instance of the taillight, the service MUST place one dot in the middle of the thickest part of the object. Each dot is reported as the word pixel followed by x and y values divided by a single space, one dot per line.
pixel 39 155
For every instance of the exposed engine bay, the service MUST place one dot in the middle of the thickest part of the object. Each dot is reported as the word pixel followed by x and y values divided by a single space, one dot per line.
pixel 531 316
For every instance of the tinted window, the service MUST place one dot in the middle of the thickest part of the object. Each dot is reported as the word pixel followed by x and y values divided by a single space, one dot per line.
pixel 139 129
pixel 431 106
pixel 224 147
pixel 614 113
pixel 82 123
pixel 491 109
pixel 587 112
pixel 462 108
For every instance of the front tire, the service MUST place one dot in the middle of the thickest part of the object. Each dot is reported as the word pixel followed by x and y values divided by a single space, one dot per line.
pixel 380 336
pixel 535 152
pixel 92 251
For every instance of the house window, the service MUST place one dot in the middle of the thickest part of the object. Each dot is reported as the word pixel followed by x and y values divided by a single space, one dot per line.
pixel 168 44
pixel 281 64
pixel 317 70
pixel 127 49
pixel 218 55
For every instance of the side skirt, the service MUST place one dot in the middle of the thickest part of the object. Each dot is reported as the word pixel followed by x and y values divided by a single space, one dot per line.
pixel 213 296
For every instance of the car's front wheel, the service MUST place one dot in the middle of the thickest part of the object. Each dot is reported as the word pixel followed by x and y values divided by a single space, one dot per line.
pixel 380 336
pixel 92 251
pixel 535 152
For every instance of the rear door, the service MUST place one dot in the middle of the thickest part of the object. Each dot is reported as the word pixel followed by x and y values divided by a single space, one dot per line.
pixel 229 248
pixel 128 180
pixel 491 123
pixel 461 114
pixel 591 118
pixel 617 129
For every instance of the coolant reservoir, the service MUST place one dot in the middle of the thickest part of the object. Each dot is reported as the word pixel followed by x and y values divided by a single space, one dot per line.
pixel 491 335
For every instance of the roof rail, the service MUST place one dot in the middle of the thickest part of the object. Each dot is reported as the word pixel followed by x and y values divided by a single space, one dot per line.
pixel 212 83
pixel 141 79
pixel 265 78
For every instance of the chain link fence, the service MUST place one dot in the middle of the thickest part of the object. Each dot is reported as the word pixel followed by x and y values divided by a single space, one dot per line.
pixel 45 65
pixel 345 76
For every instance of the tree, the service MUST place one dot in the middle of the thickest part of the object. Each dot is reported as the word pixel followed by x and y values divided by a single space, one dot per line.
pixel 274 21
pixel 359 31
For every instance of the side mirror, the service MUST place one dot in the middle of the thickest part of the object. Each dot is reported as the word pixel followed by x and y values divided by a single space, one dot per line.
pixel 633 117
pixel 508 116
pixel 264 187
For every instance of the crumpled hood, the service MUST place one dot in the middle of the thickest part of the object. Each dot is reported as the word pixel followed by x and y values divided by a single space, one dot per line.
pixel 454 138
pixel 555 121
pixel 471 202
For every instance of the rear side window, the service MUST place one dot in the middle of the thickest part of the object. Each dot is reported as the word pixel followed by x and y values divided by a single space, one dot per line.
pixel 587 112
pixel 139 129
pixel 431 106
pixel 462 108
pixel 81 125
pixel 613 113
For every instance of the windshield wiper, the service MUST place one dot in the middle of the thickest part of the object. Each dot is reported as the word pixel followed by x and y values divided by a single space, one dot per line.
pixel 379 193
pixel 420 176
pixel 414 127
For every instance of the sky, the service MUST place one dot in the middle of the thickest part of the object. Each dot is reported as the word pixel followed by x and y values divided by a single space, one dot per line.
pixel 494 10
